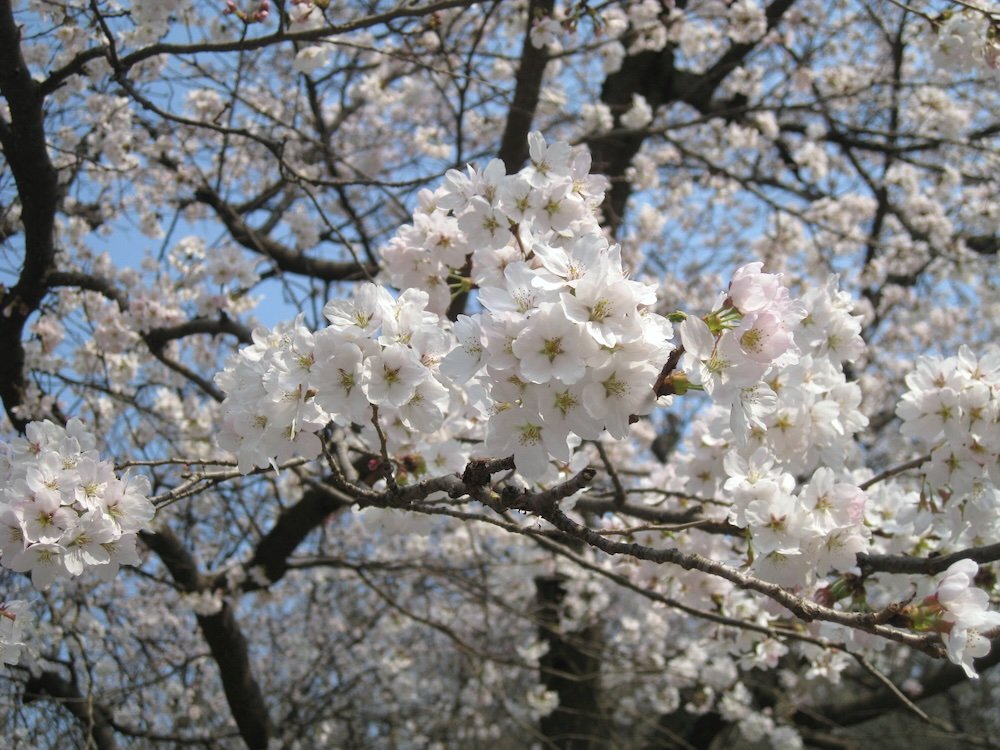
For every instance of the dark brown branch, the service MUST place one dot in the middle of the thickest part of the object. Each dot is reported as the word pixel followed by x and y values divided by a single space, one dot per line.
pixel 926 565
pixel 324 133
pixel 528 82
pixel 655 77
pixel 89 283
pixel 292 526
pixel 158 337
pixel 685 516
pixel 983 244
pixel 225 640
pixel 24 147
pixel 286 258
pixel 698 90
pixel 570 667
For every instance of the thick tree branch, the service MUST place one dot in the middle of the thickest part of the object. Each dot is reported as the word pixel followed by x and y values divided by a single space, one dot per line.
pixel 926 565
pixel 570 667
pixel 527 86
pixel 983 244
pixel 655 77
pixel 225 640
pixel 158 337
pixel 292 526
pixel 24 148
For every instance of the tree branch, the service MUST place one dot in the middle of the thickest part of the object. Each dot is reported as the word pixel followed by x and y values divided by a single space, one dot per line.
pixel 926 565
pixel 292 526
pixel 867 707
pixel 527 86
pixel 654 76
pixel 225 640
pixel 286 259
pixel 24 147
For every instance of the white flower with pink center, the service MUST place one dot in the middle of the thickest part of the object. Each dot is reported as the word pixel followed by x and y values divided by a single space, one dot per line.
pixel 763 337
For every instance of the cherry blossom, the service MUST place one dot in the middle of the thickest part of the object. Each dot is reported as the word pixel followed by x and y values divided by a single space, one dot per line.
pixel 605 371
pixel 965 615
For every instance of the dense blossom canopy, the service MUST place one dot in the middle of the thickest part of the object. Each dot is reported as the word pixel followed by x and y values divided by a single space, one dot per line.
pixel 523 374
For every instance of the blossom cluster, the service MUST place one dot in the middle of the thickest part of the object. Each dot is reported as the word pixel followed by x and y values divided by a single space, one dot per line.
pixel 966 39
pixel 378 351
pixel 489 219
pixel 961 612
pixel 729 350
pixel 782 408
pixel 63 509
pixel 952 407
pixel 565 347
pixel 566 344
pixel 795 536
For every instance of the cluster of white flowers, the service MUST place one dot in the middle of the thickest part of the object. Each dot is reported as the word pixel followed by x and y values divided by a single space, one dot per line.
pixel 639 115
pixel 63 509
pixel 546 31
pixel 816 412
pixel 377 351
pixel 966 40
pixel 961 612
pixel 496 218
pixel 953 407
pixel 151 20
pixel 795 536
pixel 564 349
pixel 566 346
pixel 267 417
pixel 733 346
pixel 312 58
pixel 783 407
pixel 747 21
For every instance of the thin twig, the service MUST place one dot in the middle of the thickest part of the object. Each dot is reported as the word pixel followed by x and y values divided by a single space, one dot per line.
pixel 889 473
pixel 610 469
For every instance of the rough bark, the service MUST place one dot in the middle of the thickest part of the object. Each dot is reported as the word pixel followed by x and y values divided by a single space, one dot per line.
pixel 24 147
pixel 226 642
pixel 570 668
